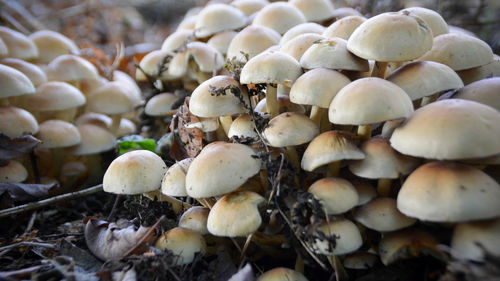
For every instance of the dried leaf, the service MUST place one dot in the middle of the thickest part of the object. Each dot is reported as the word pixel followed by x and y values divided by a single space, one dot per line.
pixel 191 138
pixel 110 241
pixel 15 147
pixel 25 192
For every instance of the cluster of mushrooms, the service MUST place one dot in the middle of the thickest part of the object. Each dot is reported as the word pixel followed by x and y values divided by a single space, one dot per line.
pixel 51 92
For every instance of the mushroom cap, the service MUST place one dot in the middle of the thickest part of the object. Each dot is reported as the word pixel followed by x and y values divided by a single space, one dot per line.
pixel 218 17
pixel 126 128
pixel 160 104
pixel 433 78
pixel 360 260
pixel 486 91
pixel 206 57
pixel 94 139
pixel 314 10
pixel 34 73
pixel 221 40
pixel 344 27
pixel 57 133
pixel 13 172
pixel 152 65
pixel 235 214
pixel 176 40
pixel 174 180
pixel 112 98
pixel 296 46
pixel 205 103
pixel 469 240
pixel 332 53
pixel 271 67
pixel 381 214
pixel 369 100
pixel 432 18
pixel 459 51
pixel 289 129
pixel 51 96
pixel 348 239
pixel 134 172
pixel 382 161
pixel 249 7
pixel 307 27
pixel 448 130
pixel 183 243
pixel 188 22
pixel 391 37
pixel 98 119
pixel 366 191
pixel 70 68
pixel 129 82
pixel 329 147
pixel 396 245
pixel 14 121
pixel 337 195
pixel 251 41
pixel 3 49
pixel 14 83
pixel 51 44
pixel 449 192
pixel 343 12
pixel 243 127
pixel 282 273
pixel 489 70
pixel 280 16
pixel 318 87
pixel 220 168
pixel 195 218
pixel 284 105
pixel 18 45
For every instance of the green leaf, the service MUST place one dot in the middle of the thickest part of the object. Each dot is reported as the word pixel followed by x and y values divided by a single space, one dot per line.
pixel 135 142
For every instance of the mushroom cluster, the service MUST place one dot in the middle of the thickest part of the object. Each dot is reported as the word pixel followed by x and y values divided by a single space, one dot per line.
pixel 52 92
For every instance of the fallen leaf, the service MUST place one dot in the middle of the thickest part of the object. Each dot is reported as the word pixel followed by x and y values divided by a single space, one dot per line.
pixel 191 138
pixel 109 241
pixel 11 148
pixel 25 192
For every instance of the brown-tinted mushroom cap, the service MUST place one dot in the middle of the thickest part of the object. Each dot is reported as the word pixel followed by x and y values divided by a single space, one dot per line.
pixel 396 245
pixel 161 104
pixel 183 243
pixel 195 218
pixel 57 133
pixel 94 139
pixel 348 239
pixel 298 45
pixel 489 70
pixel 174 180
pixel 486 91
pixel 282 273
pixel 307 27
pixel 70 68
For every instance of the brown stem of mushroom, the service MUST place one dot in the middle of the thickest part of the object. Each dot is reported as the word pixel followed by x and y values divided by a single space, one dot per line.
pixel 429 99
pixel 364 132
pixel 115 125
pixel 384 187
pixel 379 69
pixel 4 101
pixel 272 100
pixel 333 169
pixel 225 122
pixel 316 114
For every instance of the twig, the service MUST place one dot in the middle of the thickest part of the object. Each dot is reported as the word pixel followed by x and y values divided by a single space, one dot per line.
pixel 21 273
pixel 50 201
pixel 13 22
pixel 23 13
pixel 27 243
pixel 113 209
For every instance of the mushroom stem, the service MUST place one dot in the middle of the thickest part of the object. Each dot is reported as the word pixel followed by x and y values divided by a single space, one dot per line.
pixel 325 123
pixel 379 69
pixel 429 99
pixel 67 115
pixel 263 179
pixel 384 187
pixel 245 246
pixel 272 100
pixel 221 135
pixel 4 102
pixel 292 156
pixel 115 125
pixel 364 132
pixel 333 169
pixel 316 114
pixel 340 273
pixel 226 122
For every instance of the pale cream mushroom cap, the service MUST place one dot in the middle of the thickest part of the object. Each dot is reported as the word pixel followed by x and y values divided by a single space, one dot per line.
pixel 220 168
pixel 307 27
pixel 13 172
pixel 296 46
pixel 252 40
pixel 433 19
pixel 315 10
pixel 348 238
pixel 235 214
pixel 366 191
pixel 94 118
pixel 183 243
pixel 195 218
pixel 391 37
pixel 249 7
pixel 395 245
pixel 271 67
pixel 94 139
pixel 127 127
pixel 129 82
pixel 70 68
pixel 176 40
pixel 343 12
pixel 337 195
pixel 187 22
pixel 382 161
pixel 453 29
pixel 218 17
pixel 57 133
pixel 222 40
pixel 449 192
pixel 15 121
pixel 369 100
pixel 34 73
pixel 51 44
pixel 134 172
pixel 459 51
pixel 174 180
pixel 382 215
pixel 206 57
pixel 204 103
pixel 152 65
pixel 448 130
pixel 112 98
pixel 329 147
pixel 14 83
pixel 332 53
pixel 486 91
pixel 471 240
pixel 51 96
pixel 344 27
pixel 280 274
pixel 242 126
pixel 432 78
pixel 18 45
pixel 318 87
pixel 280 16
pixel 3 49
pixel 160 104
pixel 489 70
pixel 289 129
pixel 90 85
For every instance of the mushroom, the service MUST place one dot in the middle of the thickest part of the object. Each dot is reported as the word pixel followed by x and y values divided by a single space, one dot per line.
pixel 13 172
pixel 71 69
pixel 34 73
pixel 195 218
pixel 491 69
pixel 13 83
pixel 183 243
pixel 251 41
pixel 307 27
pixel 472 240
pixel 14 121
pixel 315 10
pixel 336 195
pixel 483 91
pixel 381 214
pixel 282 273
pixel 18 45
pixel 216 18
pixel 51 44
pixel 280 16
pixel 344 27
